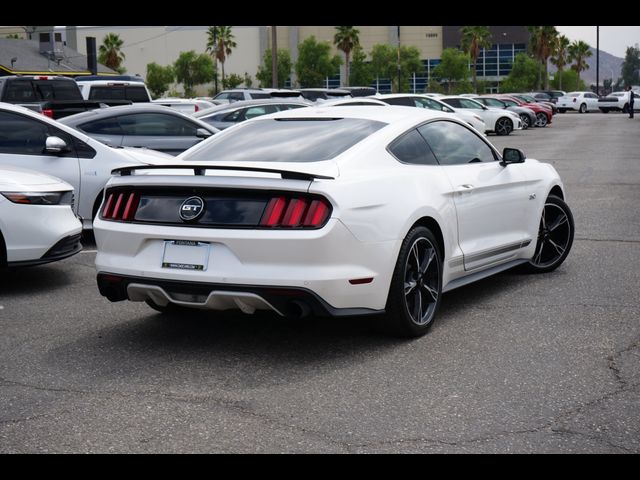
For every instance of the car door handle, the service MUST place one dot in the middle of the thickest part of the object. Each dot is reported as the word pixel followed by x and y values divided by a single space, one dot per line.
pixel 467 187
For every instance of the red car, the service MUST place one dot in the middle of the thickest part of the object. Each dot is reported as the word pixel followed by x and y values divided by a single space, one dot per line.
pixel 543 113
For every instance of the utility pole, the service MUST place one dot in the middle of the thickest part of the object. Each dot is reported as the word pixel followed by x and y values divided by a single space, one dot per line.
pixel 399 69
pixel 598 60
pixel 274 57
pixel 215 57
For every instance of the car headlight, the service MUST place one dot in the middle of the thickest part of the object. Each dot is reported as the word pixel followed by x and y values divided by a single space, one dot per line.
pixel 39 198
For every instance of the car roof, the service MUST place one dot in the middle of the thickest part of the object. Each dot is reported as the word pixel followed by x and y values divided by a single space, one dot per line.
pixel 249 103
pixel 101 113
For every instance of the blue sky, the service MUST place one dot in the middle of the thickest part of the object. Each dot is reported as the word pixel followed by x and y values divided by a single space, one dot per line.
pixel 613 40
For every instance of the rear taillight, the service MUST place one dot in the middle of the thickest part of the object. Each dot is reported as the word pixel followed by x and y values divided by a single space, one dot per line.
pixel 47 112
pixel 295 212
pixel 121 206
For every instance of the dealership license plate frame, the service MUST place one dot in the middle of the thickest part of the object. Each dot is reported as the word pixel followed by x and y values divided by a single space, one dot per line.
pixel 186 255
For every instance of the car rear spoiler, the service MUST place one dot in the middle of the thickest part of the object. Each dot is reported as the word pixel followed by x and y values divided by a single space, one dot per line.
pixel 201 169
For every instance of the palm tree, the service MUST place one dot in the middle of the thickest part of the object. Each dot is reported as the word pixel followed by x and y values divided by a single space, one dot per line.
pixel 212 46
pixel 579 51
pixel 346 39
pixel 561 56
pixel 473 39
pixel 543 39
pixel 224 45
pixel 109 53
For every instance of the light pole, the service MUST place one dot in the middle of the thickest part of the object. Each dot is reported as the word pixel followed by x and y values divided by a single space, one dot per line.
pixel 399 87
pixel 274 57
pixel 598 60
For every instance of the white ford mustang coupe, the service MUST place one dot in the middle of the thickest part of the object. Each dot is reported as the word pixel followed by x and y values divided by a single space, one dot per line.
pixel 320 211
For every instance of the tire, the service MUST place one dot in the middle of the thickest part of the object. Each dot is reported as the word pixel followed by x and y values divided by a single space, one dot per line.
pixel 555 236
pixel 583 108
pixel 562 110
pixel 504 126
pixel 417 280
pixel 3 252
pixel 541 119
pixel 526 121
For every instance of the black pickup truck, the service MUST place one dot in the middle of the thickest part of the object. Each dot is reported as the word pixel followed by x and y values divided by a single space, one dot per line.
pixel 56 97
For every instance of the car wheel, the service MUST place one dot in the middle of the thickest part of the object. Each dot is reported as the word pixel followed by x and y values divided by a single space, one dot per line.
pixel 526 121
pixel 416 286
pixel 3 252
pixel 555 236
pixel 541 119
pixel 562 110
pixel 583 108
pixel 504 126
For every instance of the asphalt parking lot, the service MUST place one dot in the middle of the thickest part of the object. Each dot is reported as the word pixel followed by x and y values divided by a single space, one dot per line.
pixel 514 364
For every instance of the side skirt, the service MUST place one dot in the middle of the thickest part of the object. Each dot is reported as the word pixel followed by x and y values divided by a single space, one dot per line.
pixel 474 277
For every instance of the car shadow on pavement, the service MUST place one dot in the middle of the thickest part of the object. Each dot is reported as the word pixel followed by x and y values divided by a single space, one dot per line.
pixel 29 280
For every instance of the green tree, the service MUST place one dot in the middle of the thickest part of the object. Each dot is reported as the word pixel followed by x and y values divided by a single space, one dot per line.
pixel 543 40
pixel 284 66
pixel 159 78
pixel 361 73
pixel 248 81
pixel 315 63
pixel 631 66
pixel 569 81
pixel 473 40
pixel 579 51
pixel 384 64
pixel 110 54
pixel 232 81
pixel 220 43
pixel 193 69
pixel 14 36
pixel 524 75
pixel 560 56
pixel 346 39
pixel 453 68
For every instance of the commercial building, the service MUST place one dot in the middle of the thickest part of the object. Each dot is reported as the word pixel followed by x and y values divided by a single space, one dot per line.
pixel 163 44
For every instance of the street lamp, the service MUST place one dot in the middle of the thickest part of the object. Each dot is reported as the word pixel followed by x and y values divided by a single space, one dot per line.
pixel 399 60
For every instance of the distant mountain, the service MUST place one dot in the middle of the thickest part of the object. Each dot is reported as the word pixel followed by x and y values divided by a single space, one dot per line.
pixel 609 64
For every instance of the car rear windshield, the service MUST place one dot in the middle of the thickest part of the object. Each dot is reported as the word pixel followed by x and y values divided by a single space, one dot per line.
pixel 286 140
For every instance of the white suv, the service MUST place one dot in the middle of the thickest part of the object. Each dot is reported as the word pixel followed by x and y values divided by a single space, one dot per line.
pixel 135 91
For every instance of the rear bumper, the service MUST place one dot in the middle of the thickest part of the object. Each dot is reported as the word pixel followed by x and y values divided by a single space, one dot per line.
pixel 293 302
pixel 322 262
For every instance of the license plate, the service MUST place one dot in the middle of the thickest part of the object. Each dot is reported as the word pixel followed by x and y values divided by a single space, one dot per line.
pixel 185 255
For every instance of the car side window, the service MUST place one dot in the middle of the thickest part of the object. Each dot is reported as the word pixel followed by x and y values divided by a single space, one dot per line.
pixel 454 144
pixel 402 101
pixel 156 124
pixel 106 126
pixel 411 148
pixel 20 135
pixel 253 112
pixel 454 102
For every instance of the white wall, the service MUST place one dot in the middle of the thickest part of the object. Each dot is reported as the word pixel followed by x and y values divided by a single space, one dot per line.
pixel 163 45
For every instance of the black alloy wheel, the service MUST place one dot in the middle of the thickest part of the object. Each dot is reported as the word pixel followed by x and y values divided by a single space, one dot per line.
pixel 416 286
pixel 504 126
pixel 555 236
pixel 542 119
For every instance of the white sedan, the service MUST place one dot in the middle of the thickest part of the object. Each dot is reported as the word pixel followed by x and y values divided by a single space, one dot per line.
pixel 582 102
pixel 498 120
pixel 424 101
pixel 33 141
pixel 326 211
pixel 37 224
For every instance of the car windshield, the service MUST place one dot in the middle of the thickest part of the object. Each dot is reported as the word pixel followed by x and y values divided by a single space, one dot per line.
pixel 285 140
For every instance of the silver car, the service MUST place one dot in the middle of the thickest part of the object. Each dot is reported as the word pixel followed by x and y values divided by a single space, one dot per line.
pixel 143 125
pixel 225 116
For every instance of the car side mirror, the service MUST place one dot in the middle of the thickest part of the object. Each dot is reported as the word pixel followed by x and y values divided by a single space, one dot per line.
pixel 203 133
pixel 55 145
pixel 512 155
